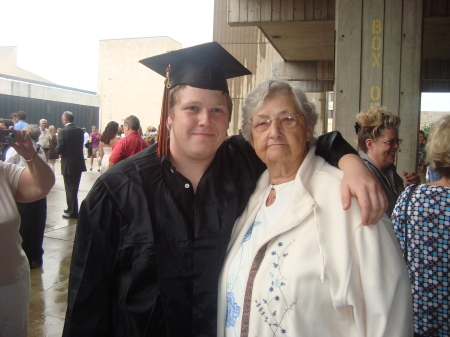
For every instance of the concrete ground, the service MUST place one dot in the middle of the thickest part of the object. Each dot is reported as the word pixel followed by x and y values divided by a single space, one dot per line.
pixel 49 284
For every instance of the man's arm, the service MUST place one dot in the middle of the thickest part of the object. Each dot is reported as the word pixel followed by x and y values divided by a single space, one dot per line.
pixel 117 154
pixel 358 181
pixel 61 144
pixel 91 270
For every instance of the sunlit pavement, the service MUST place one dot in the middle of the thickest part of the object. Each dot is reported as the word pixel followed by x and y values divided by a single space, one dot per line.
pixel 49 283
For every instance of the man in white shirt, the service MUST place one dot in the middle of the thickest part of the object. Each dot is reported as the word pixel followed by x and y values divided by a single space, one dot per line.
pixel 44 138
pixel 86 139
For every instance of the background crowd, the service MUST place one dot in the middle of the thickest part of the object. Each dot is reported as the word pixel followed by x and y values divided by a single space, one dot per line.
pixel 275 113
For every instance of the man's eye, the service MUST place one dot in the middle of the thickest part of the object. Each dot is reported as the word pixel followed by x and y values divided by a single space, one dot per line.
pixel 262 123
pixel 192 108
pixel 217 110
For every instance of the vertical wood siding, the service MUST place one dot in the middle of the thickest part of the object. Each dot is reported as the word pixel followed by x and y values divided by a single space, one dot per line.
pixel 247 11
pixel 378 53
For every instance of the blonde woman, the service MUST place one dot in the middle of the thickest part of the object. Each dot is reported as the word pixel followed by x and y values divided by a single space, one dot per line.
pixel 421 221
pixel 377 135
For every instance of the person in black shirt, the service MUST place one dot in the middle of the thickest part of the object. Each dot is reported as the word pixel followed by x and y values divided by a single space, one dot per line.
pixel 153 232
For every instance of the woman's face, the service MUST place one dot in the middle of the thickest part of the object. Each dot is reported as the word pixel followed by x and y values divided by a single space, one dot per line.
pixel 281 143
pixel 381 153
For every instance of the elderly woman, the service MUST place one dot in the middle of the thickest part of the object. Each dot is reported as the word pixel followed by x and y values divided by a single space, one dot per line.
pixel 297 264
pixel 33 214
pixel 18 184
pixel 421 221
pixel 377 135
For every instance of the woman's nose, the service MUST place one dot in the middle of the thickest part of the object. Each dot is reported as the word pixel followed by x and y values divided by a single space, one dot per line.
pixel 274 128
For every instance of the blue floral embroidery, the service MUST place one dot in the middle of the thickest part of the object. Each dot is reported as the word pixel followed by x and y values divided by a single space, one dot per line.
pixel 278 282
pixel 248 235
pixel 233 310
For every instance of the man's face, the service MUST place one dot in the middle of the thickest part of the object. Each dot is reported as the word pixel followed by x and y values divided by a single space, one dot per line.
pixel 43 125
pixel 15 119
pixel 199 122
pixel 127 130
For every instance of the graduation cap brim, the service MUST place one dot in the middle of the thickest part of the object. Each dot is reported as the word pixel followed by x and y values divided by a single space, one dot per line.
pixel 205 66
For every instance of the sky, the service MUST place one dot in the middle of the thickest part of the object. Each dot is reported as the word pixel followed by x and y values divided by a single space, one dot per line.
pixel 59 39
pixel 435 102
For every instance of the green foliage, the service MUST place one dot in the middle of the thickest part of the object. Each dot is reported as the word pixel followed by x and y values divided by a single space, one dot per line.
pixel 427 129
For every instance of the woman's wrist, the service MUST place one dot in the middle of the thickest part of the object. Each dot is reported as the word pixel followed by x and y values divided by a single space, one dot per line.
pixel 28 160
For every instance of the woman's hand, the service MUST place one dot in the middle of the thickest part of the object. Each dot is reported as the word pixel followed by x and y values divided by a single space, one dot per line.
pixel 23 145
pixel 37 179
pixel 359 182
pixel 411 178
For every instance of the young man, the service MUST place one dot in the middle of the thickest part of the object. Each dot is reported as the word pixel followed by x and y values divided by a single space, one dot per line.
pixel 21 117
pixel 153 231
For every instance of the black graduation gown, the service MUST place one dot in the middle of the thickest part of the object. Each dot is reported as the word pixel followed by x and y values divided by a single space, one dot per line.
pixel 148 251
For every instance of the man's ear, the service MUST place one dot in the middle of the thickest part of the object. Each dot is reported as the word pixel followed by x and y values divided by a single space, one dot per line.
pixel 169 121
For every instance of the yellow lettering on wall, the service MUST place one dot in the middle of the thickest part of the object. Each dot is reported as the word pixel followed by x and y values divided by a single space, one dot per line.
pixel 376 27
pixel 376 43
pixel 376 60
pixel 375 93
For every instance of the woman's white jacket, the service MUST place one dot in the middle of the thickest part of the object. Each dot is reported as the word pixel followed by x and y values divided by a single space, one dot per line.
pixel 336 277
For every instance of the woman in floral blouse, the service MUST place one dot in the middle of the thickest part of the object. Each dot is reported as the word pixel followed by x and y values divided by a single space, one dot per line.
pixel 422 225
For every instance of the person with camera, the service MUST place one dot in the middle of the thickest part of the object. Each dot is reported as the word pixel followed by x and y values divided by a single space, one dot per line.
pixel 4 146
pixel 17 184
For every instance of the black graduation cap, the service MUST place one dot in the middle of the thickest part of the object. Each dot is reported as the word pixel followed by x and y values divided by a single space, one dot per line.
pixel 205 66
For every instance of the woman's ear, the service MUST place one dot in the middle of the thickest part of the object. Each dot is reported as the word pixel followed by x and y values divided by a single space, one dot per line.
pixel 370 143
pixel 309 134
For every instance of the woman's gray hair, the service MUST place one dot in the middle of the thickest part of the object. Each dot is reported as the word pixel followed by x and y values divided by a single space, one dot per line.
pixel 256 98
pixel 34 131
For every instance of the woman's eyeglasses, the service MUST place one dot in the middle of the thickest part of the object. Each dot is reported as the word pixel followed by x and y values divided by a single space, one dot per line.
pixel 391 142
pixel 261 124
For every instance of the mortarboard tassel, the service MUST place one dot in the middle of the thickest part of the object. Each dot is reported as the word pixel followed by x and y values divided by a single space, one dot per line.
pixel 163 137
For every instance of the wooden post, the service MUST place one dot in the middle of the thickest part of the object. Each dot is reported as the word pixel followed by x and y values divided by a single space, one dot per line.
pixel 367 73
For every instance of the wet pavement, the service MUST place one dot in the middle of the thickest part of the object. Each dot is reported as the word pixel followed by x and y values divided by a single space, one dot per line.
pixel 49 284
